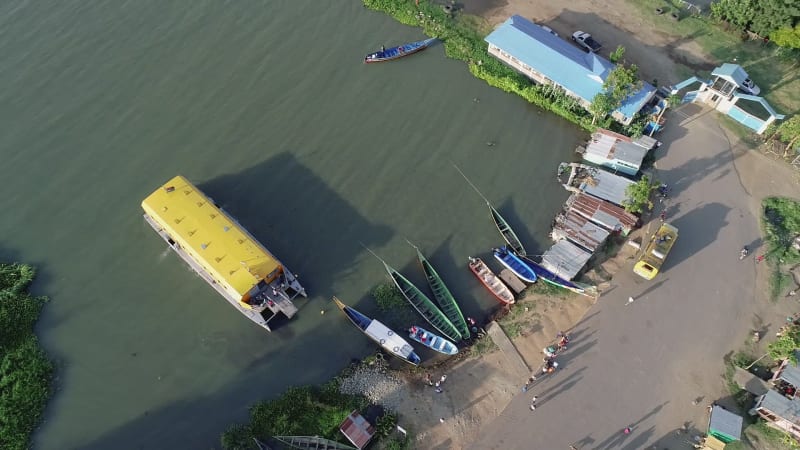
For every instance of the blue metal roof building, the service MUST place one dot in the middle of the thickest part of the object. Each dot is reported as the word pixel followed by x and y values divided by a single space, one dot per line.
pixel 545 57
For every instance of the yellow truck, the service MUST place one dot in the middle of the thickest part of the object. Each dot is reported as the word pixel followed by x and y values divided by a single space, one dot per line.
pixel 656 251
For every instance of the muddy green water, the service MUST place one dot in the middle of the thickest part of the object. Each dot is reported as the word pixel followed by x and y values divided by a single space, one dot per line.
pixel 269 109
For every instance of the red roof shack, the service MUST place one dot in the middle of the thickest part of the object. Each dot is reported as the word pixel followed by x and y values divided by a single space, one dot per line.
pixel 357 430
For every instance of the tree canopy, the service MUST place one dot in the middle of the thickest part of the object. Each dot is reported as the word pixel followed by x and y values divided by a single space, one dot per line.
pixel 763 17
pixel 622 81
pixel 787 37
pixel 639 195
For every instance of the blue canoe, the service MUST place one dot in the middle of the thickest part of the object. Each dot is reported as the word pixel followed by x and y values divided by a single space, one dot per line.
pixel 552 278
pixel 388 54
pixel 515 264
pixel 432 341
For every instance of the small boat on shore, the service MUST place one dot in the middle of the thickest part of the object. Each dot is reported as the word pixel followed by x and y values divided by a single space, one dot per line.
pixel 515 264
pixel 491 281
pixel 389 54
pixel 380 333
pixel 424 305
pixel 505 230
pixel 443 296
pixel 550 277
pixel 432 341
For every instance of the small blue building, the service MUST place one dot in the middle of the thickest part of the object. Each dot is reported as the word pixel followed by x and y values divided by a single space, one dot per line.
pixel 548 59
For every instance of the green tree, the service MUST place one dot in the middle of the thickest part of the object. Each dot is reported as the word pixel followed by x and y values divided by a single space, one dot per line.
pixel 620 83
pixel 789 131
pixel 601 106
pixel 787 37
pixel 639 193
pixel 762 17
pixel 785 346
pixel 617 54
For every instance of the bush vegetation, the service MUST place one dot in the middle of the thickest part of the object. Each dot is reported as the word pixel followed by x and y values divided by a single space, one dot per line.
pixel 781 222
pixel 300 411
pixel 25 371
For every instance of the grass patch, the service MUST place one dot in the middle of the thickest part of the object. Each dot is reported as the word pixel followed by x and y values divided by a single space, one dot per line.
pixel 482 346
pixel 766 437
pixel 779 283
pixel 775 70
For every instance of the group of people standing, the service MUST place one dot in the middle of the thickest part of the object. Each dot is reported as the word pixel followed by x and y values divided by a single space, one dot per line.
pixel 549 364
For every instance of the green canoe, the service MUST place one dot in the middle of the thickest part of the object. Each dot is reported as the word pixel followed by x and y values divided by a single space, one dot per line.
pixel 424 305
pixel 443 296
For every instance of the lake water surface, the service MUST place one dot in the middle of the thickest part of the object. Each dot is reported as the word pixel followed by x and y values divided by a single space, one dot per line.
pixel 268 108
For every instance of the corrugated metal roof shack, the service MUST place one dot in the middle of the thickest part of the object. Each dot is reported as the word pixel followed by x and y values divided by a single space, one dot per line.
pixel 357 430
pixel 617 152
pixel 565 259
pixel 602 212
pixel 578 230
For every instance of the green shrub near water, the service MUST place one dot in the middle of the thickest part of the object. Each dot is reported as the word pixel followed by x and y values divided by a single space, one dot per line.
pixel 300 411
pixel 25 371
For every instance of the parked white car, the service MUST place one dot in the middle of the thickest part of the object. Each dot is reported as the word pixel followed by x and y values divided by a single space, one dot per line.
pixel 749 87
pixel 586 41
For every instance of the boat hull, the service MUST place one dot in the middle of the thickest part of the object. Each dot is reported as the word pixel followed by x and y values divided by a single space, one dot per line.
pixel 515 264
pixel 432 341
pixel 398 52
pixel 505 230
pixel 444 297
pixel 381 334
pixel 490 281
pixel 424 305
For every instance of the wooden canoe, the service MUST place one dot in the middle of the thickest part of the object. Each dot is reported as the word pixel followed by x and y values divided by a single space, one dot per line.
pixel 491 281
pixel 389 54
pixel 424 305
pixel 505 230
pixel 443 296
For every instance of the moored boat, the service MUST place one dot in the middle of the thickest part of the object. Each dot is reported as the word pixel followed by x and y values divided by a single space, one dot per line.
pixel 237 266
pixel 491 281
pixel 424 305
pixel 443 296
pixel 515 264
pixel 388 54
pixel 505 230
pixel 432 341
pixel 380 333
pixel 550 277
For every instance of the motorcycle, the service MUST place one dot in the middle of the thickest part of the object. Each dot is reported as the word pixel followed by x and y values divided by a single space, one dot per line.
pixel 745 251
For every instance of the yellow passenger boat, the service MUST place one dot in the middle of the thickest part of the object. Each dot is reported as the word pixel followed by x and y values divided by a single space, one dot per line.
pixel 221 251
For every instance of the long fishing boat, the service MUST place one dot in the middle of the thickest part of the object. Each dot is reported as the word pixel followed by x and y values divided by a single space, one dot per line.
pixel 222 252
pixel 505 230
pixel 432 341
pixel 550 277
pixel 443 296
pixel 380 333
pixel 424 305
pixel 389 54
pixel 490 281
pixel 515 264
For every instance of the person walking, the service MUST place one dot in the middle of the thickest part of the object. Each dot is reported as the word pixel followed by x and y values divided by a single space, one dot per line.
pixel 444 377
pixel 630 300
pixel 533 403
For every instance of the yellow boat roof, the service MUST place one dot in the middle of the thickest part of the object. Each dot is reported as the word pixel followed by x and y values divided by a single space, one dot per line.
pixel 224 248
